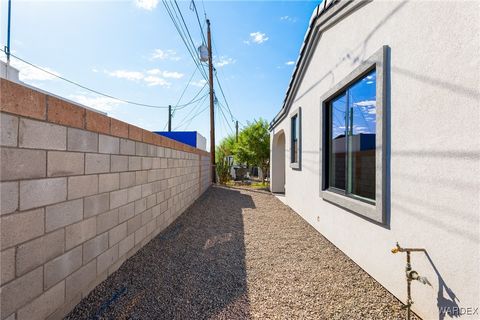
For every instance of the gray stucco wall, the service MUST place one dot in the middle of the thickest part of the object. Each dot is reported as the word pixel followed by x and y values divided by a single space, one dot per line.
pixel 433 142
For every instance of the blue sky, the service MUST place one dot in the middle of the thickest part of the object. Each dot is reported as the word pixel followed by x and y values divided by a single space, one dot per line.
pixel 131 50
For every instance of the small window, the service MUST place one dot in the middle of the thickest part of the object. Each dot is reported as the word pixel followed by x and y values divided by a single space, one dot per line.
pixel 295 145
pixel 351 139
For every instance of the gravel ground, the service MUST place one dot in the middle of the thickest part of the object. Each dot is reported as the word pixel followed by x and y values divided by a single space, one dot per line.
pixel 239 254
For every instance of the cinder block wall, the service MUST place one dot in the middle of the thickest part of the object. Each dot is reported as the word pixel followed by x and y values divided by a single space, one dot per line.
pixel 80 193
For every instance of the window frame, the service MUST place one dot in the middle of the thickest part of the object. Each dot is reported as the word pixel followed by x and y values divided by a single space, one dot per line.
pixel 373 210
pixel 298 114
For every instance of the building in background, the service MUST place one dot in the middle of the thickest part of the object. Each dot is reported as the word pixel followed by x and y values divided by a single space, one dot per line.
pixel 192 138
pixel 377 142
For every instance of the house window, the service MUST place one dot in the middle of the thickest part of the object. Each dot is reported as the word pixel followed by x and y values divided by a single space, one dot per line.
pixel 295 146
pixel 353 136
pixel 351 139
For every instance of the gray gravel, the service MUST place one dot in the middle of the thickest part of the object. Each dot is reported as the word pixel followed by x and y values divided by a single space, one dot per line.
pixel 239 254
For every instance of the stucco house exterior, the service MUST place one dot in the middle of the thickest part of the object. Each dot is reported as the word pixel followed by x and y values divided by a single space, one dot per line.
pixel 378 142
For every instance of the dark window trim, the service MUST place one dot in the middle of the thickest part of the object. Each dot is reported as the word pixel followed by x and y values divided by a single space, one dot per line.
pixel 374 211
pixel 296 165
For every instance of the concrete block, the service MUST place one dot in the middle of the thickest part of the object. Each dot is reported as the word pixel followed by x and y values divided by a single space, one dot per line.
pixel 36 252
pixel 108 144
pixel 97 163
pixel 78 280
pixel 94 247
pixel 20 227
pixel 118 233
pixel 82 186
pixel 141 177
pixel 41 135
pixel 126 212
pixel 160 152
pixel 140 205
pixel 118 198
pixel 126 245
pixel 97 122
pixel 63 214
pixel 8 130
pixel 81 140
pixel 147 189
pixel 127 179
pixel 80 232
pixel 163 163
pixel 140 234
pixel 134 163
pixel 7 265
pixel 106 259
pixel 19 164
pixel 60 267
pixel 107 220
pixel 18 292
pixel 108 182
pixel 151 200
pixel 147 216
pixel 118 128
pixel 65 113
pixel 156 163
pixel 134 193
pixel 61 164
pixel 8 197
pixel 37 193
pixel 146 163
pixel 141 149
pixel 118 163
pixel 127 147
pixel 134 224
pixel 43 306
pixel 96 204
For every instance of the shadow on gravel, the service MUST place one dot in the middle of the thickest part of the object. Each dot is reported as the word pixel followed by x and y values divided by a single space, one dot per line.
pixel 195 269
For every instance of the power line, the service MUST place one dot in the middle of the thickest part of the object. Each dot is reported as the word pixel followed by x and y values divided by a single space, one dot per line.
pixel 183 121
pixel 96 91
pixel 198 19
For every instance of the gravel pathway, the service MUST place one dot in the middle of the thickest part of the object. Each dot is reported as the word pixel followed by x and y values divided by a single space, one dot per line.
pixel 239 254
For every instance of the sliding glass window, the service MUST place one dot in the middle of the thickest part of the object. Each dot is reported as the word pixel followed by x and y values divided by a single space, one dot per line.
pixel 351 134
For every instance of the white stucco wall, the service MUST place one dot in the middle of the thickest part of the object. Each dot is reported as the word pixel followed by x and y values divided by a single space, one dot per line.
pixel 434 141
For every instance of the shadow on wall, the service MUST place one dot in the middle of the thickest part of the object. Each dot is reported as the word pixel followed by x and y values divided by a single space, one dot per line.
pixel 195 269
pixel 446 298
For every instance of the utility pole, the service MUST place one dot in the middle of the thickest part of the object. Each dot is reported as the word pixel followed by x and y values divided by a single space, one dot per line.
pixel 236 131
pixel 7 47
pixel 169 118
pixel 212 114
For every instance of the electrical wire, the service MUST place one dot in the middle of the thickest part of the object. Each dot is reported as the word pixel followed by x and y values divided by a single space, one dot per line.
pixel 96 91
pixel 198 19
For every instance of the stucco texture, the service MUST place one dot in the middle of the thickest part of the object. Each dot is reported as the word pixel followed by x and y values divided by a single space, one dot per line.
pixel 433 147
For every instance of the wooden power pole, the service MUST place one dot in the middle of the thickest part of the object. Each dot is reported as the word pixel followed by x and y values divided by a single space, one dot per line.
pixel 212 112
pixel 236 131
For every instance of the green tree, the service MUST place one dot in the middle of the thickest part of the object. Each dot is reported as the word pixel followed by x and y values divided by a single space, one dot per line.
pixel 222 154
pixel 253 146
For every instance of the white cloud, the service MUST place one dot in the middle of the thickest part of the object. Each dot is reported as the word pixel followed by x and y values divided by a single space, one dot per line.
pixel 165 74
pixel 159 54
pixel 29 73
pixel 95 70
pixel 172 74
pixel 290 63
pixel 288 18
pixel 100 103
pixel 366 103
pixel 146 4
pixel 258 37
pixel 224 61
pixel 199 83
pixel 129 75
pixel 156 81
